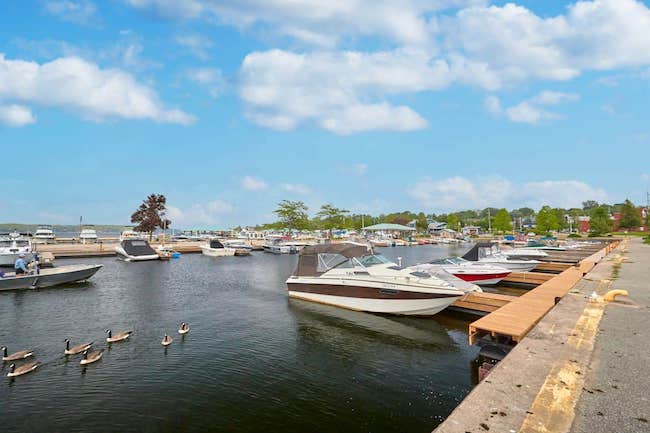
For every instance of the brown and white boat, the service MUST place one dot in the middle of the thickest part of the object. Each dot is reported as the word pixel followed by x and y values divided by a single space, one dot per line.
pixel 348 275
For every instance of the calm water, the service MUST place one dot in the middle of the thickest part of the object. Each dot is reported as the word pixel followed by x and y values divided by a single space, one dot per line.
pixel 253 361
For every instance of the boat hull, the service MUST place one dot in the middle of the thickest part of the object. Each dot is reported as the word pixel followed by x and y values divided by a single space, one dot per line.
pixel 373 299
pixel 50 277
pixel 218 252
pixel 121 254
pixel 280 249
pixel 511 265
pixel 483 279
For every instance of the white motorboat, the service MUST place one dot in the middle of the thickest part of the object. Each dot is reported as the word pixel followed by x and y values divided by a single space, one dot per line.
pixel 88 236
pixel 472 272
pixel 216 249
pixel 44 235
pixel 488 253
pixel 242 248
pixel 347 275
pixel 278 246
pixel 382 242
pixel 136 250
pixel 12 245
pixel 130 234
pixel 524 253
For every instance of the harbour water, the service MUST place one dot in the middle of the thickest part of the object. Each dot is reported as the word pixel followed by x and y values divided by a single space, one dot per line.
pixel 253 361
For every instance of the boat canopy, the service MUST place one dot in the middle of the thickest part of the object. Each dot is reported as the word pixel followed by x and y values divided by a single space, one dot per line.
pixel 474 254
pixel 315 260
pixel 214 243
pixel 137 247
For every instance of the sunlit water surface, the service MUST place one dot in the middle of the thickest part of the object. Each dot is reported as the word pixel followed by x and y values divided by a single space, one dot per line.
pixel 254 360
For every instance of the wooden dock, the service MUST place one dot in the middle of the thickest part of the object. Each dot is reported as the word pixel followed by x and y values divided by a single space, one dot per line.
pixel 106 249
pixel 518 316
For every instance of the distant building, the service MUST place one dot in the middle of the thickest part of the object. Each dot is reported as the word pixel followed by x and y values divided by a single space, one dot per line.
pixel 584 224
pixel 435 227
pixel 471 230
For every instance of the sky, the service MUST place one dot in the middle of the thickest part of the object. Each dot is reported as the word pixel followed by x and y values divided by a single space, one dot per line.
pixel 228 107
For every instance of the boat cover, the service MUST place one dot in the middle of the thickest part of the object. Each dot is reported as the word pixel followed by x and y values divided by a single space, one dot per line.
pixel 473 254
pixel 315 260
pixel 214 243
pixel 137 247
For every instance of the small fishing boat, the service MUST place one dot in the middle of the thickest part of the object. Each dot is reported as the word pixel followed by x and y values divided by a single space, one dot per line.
pixel 48 277
pixel 242 248
pixel 23 369
pixel 278 246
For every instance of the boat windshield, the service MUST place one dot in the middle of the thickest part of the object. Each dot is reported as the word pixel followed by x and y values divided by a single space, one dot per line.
pixel 22 243
pixel 5 243
pixel 456 260
pixel 372 260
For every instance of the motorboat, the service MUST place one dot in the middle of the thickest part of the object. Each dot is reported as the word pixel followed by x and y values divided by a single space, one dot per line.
pixel 88 236
pixel 166 252
pixel 44 235
pixel 473 272
pixel 382 242
pixel 278 246
pixel 12 245
pixel 130 234
pixel 135 250
pixel 242 248
pixel 524 253
pixel 488 253
pixel 348 275
pixel 215 248
pixel 48 277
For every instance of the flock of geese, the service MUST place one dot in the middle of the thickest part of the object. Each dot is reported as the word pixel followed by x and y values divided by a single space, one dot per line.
pixel 87 356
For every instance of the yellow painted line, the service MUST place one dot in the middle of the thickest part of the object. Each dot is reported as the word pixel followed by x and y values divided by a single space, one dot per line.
pixel 553 409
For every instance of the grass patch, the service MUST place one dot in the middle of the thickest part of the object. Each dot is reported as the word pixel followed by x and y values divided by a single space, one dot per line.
pixel 639 234
pixel 647 240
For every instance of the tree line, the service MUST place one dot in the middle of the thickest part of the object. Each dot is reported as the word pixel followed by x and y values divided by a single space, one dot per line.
pixel 294 215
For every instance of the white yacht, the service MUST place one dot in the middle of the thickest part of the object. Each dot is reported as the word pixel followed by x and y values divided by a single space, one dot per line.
pixel 135 250
pixel 12 245
pixel 347 275
pixel 88 236
pixel 216 249
pixel 131 234
pixel 524 253
pixel 278 246
pixel 44 235
pixel 242 248
pixel 488 253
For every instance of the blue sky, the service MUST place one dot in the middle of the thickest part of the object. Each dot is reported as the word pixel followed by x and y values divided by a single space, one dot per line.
pixel 228 107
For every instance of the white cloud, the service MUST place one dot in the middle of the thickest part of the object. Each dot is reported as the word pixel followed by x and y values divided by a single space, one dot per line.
pixel 646 177
pixel 457 193
pixel 254 184
pixel 209 213
pixel 197 45
pixel 296 188
pixel 609 109
pixel 529 111
pixel 16 115
pixel 79 11
pixel 357 169
pixel 341 91
pixel 83 87
pixel 210 78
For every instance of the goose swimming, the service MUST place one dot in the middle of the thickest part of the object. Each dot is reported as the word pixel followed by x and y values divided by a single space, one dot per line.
pixel 167 340
pixel 15 356
pixel 117 337
pixel 89 358
pixel 184 329
pixel 23 369
pixel 76 349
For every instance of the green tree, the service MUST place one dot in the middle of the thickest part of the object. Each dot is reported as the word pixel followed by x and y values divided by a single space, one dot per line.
pixel 502 221
pixel 151 214
pixel 453 222
pixel 599 223
pixel 589 204
pixel 630 216
pixel 422 223
pixel 292 214
pixel 547 220
pixel 331 217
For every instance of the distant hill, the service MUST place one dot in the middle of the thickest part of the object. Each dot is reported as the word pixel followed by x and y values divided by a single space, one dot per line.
pixel 60 228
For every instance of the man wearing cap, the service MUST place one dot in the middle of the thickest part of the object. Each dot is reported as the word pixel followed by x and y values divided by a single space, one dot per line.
pixel 20 266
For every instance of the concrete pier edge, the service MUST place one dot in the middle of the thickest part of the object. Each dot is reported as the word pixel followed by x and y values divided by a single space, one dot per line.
pixel 537 386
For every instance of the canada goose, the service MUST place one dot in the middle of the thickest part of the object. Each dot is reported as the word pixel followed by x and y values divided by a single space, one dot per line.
pixel 117 337
pixel 76 349
pixel 167 340
pixel 15 356
pixel 184 329
pixel 23 369
pixel 89 358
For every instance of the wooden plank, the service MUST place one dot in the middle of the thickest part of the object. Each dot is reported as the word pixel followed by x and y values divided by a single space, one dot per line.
pixel 484 302
pixel 552 267
pixel 528 277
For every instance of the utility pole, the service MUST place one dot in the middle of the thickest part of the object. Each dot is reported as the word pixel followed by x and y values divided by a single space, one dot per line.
pixel 489 221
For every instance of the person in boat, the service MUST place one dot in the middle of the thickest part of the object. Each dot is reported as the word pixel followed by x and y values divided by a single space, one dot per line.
pixel 20 266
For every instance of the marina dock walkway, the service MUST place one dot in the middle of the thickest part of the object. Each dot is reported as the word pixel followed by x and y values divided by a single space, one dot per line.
pixel 582 366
